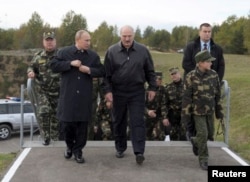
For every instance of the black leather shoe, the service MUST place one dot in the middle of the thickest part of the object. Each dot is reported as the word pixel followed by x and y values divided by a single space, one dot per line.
pixel 195 149
pixel 68 153
pixel 46 142
pixel 139 158
pixel 204 165
pixel 79 159
pixel 119 154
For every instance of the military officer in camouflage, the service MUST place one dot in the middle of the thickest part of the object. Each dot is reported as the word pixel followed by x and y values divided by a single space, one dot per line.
pixel 201 99
pixel 153 116
pixel 172 109
pixel 47 86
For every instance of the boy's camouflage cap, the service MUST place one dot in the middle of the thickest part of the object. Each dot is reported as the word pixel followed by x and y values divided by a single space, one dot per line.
pixel 203 56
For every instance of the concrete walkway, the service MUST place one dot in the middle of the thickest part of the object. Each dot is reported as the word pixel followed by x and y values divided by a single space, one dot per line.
pixel 165 161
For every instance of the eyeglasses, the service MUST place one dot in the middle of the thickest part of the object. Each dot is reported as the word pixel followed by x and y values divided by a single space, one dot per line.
pixel 173 73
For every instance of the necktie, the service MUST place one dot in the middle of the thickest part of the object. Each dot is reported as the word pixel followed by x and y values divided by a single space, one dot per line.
pixel 204 46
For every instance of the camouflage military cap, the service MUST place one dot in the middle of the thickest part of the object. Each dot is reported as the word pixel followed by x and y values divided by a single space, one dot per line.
pixel 158 75
pixel 203 56
pixel 173 70
pixel 47 35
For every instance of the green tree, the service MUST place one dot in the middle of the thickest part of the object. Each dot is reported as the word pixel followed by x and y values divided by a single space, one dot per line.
pixel 34 31
pixel 182 35
pixel 103 37
pixel 72 22
pixel 147 34
pixel 19 37
pixel 138 36
pixel 160 40
pixel 231 35
pixel 6 39
pixel 246 33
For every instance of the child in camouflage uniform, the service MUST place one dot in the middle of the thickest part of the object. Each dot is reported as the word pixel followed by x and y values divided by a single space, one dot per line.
pixel 201 98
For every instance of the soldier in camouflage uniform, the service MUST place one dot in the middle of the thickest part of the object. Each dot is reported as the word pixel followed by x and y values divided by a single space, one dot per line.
pixel 104 118
pixel 172 110
pixel 153 116
pixel 201 99
pixel 47 86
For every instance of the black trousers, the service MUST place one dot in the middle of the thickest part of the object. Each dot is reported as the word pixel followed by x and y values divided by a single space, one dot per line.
pixel 75 135
pixel 129 106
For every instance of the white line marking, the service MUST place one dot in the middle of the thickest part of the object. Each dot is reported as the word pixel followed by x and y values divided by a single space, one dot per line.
pixel 15 166
pixel 236 157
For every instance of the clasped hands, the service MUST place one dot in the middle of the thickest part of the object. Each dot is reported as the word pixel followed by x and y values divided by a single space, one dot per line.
pixel 77 63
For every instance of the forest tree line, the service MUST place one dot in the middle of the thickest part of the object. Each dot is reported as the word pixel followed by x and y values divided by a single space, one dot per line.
pixel 233 34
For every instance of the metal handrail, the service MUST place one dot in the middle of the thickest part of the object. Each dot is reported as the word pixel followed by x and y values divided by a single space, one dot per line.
pixel 34 102
pixel 32 94
pixel 227 110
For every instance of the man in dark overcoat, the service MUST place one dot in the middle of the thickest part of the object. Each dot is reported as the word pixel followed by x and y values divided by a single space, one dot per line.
pixel 77 65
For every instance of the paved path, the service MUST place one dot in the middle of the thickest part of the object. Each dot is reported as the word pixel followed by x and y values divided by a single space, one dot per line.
pixel 165 161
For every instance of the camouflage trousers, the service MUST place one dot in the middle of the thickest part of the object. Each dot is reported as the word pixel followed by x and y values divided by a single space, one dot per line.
pixel 155 129
pixel 204 126
pixel 177 132
pixel 46 116
pixel 106 127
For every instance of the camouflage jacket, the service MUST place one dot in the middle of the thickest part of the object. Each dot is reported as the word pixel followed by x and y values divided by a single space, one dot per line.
pixel 201 94
pixel 103 113
pixel 172 98
pixel 156 103
pixel 45 79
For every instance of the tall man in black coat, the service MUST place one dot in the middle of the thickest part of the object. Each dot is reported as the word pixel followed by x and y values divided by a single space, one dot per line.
pixel 77 65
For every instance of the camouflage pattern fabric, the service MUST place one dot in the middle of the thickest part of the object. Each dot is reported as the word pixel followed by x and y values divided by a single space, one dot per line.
pixel 172 110
pixel 205 129
pixel 104 119
pixel 47 85
pixel 92 123
pixel 155 129
pixel 201 98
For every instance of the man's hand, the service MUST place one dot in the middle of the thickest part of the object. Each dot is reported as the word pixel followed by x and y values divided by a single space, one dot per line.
pixel 109 105
pixel 152 113
pixel 219 112
pixel 165 122
pixel 84 69
pixel 151 95
pixel 109 97
pixel 76 63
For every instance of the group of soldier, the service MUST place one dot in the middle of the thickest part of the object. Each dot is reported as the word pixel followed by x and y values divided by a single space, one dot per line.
pixel 162 115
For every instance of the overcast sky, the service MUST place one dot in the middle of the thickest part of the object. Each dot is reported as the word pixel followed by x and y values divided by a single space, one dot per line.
pixel 160 14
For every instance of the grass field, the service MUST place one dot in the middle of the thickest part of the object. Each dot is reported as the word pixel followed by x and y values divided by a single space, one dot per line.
pixel 237 74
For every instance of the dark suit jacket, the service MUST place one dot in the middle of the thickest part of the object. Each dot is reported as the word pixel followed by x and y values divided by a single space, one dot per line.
pixel 189 64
